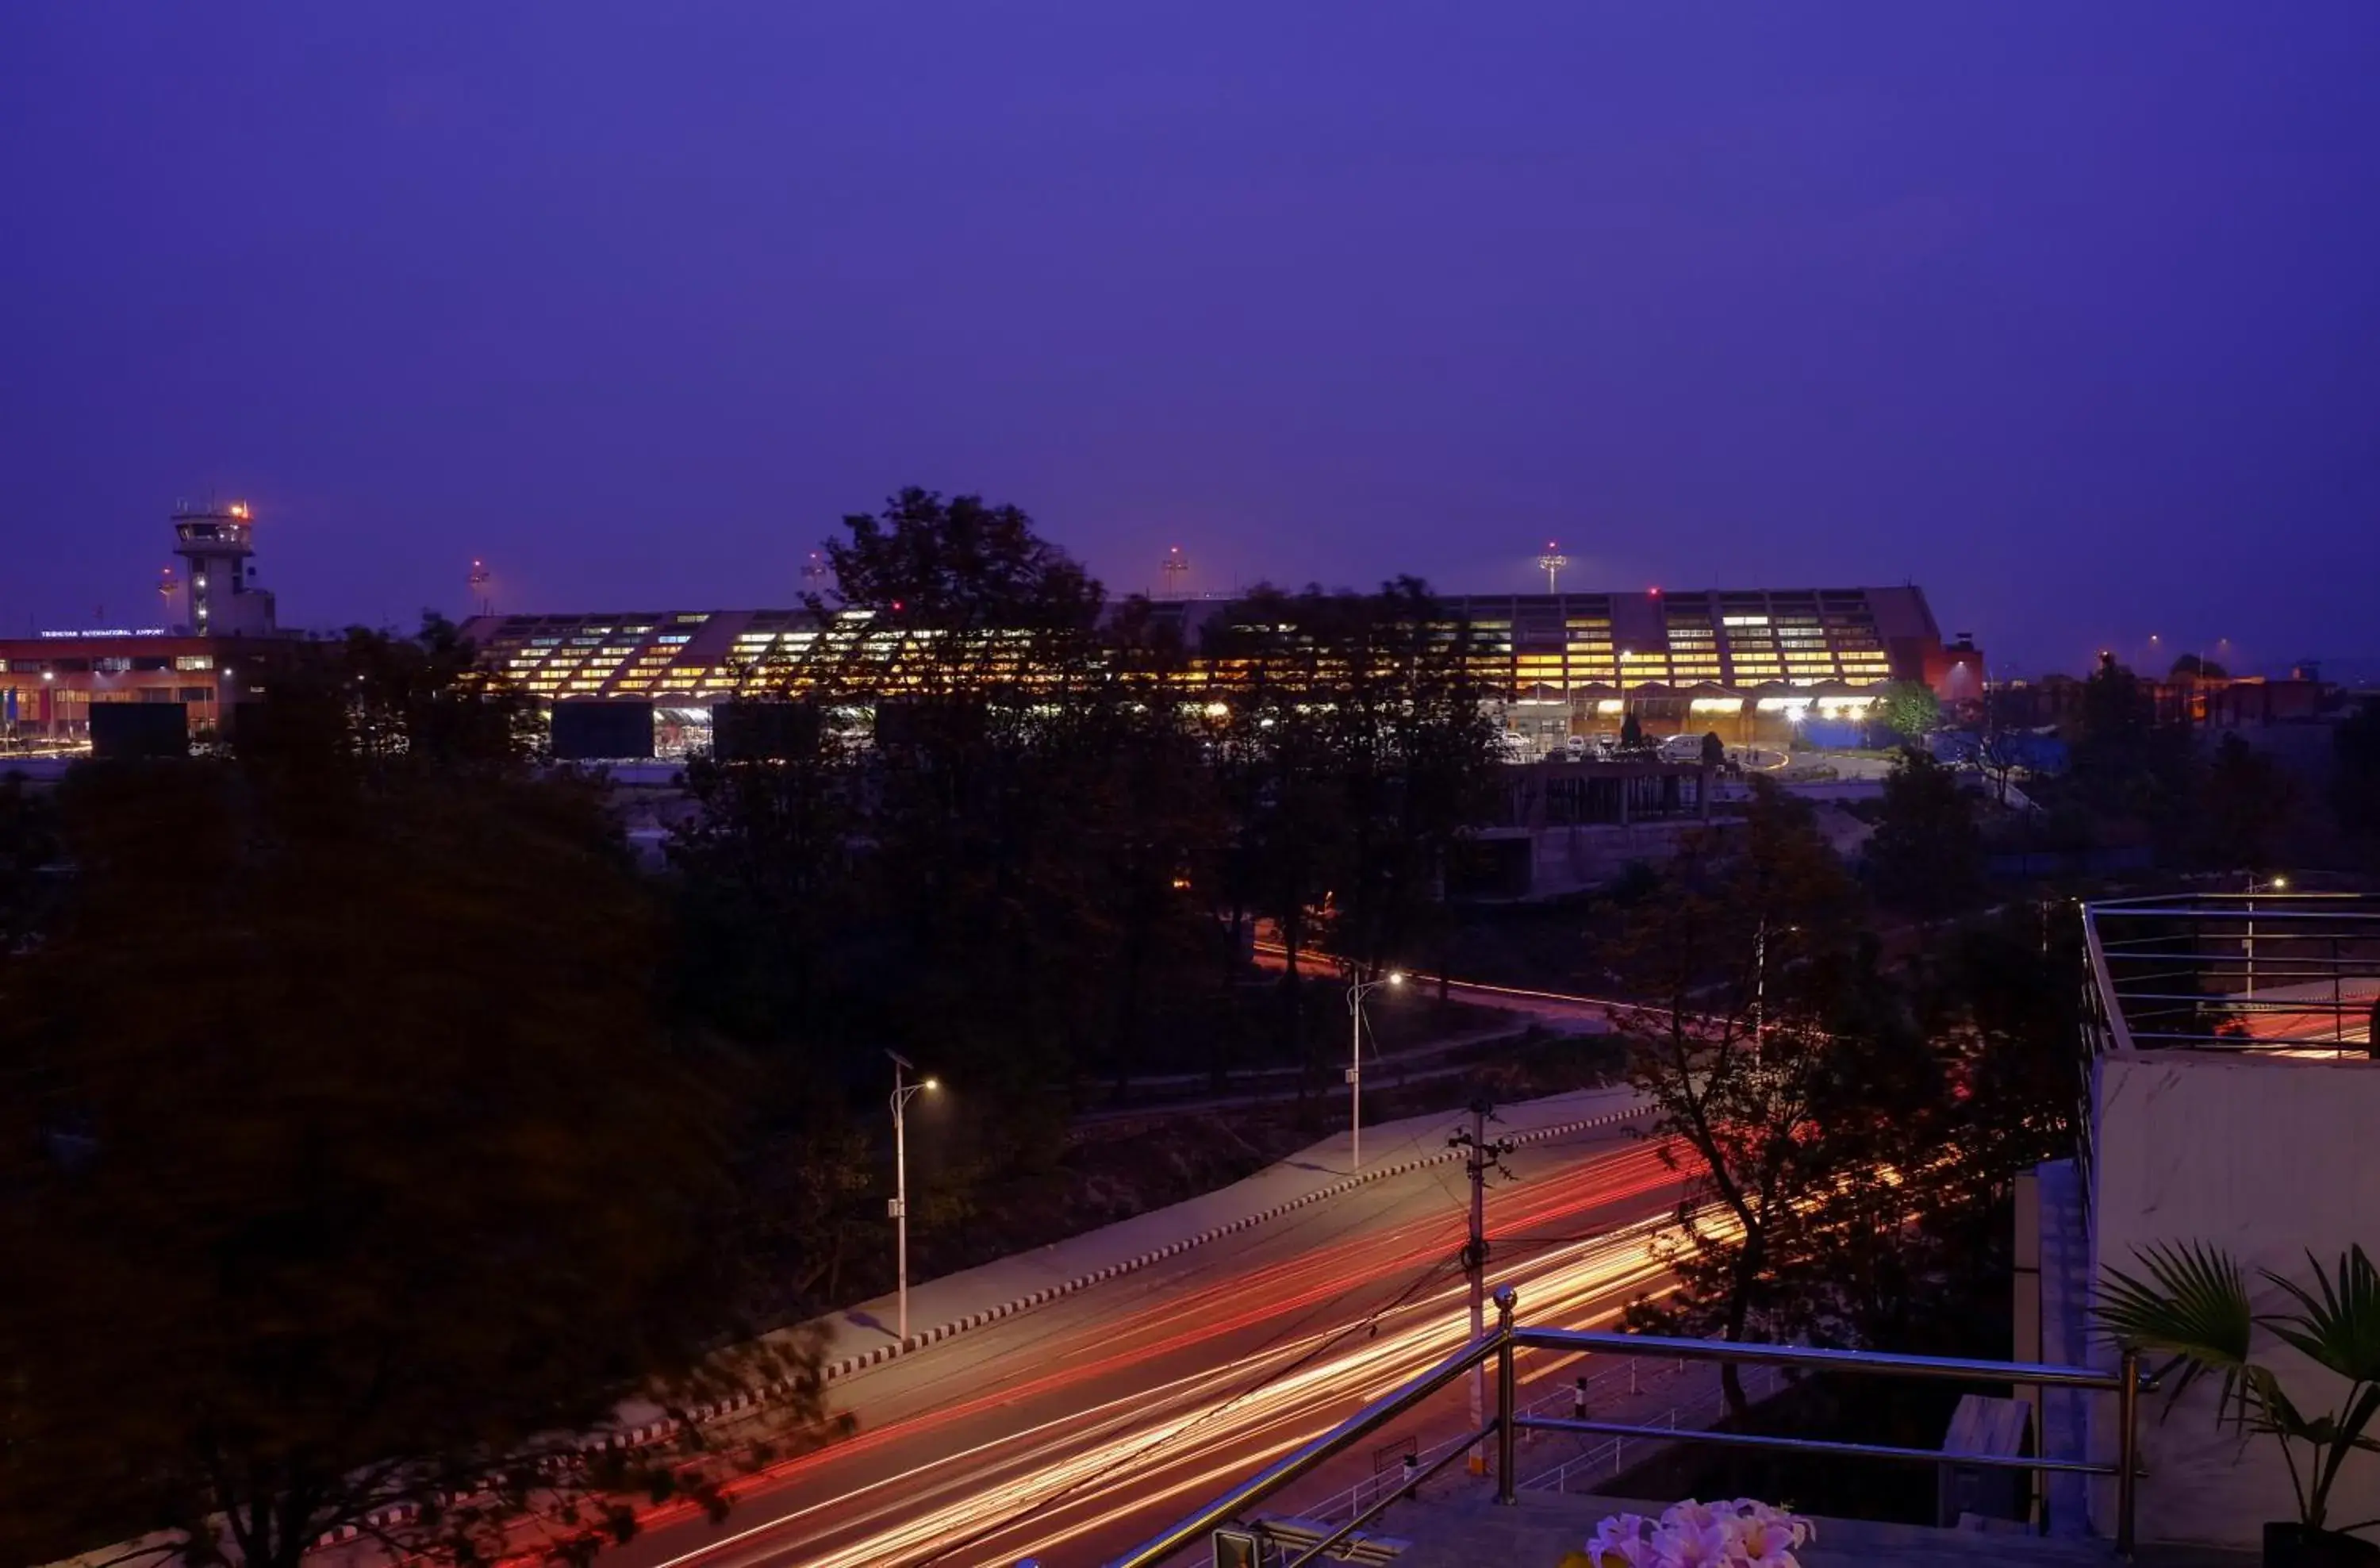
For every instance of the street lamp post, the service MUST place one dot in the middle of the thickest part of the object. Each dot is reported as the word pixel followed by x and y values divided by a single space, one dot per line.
pixel 2278 885
pixel 1357 991
pixel 1760 984
pixel 902 1093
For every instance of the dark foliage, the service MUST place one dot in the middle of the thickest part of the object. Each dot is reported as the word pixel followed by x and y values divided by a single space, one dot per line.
pixel 339 1124
pixel 1926 856
pixel 1854 1133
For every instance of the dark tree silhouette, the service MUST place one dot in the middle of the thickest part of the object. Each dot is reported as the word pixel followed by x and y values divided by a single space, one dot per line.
pixel 1926 856
pixel 337 1123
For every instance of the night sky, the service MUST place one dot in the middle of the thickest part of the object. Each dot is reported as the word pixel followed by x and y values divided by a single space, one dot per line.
pixel 2069 312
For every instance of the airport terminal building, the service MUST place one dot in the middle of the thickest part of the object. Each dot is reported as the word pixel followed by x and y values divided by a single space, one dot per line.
pixel 1746 664
pixel 1749 664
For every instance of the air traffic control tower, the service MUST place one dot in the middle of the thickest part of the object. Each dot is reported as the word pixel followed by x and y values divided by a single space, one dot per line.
pixel 214 544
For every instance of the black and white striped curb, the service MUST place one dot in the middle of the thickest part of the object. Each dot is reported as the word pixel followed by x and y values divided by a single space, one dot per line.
pixel 883 1353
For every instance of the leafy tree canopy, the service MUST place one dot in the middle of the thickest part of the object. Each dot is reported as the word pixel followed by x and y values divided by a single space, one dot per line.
pixel 959 563
pixel 2243 807
pixel 2355 779
pixel 1909 708
pixel 338 1124
pixel 1926 856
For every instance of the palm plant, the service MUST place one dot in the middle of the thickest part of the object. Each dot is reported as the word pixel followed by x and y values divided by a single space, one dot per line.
pixel 2193 1306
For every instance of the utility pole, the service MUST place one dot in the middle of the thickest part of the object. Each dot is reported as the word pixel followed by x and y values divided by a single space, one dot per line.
pixel 1479 1156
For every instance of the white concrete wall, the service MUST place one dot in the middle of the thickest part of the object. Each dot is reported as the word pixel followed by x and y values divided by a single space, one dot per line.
pixel 2266 1158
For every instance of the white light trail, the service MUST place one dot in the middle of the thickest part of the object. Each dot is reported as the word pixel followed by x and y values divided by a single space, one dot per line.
pixel 1195 1434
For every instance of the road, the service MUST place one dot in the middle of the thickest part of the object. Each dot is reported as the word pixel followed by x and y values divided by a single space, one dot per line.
pixel 1562 1011
pixel 1073 1432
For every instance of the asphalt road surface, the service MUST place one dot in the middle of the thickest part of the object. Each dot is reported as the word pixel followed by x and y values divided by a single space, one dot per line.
pixel 1076 1431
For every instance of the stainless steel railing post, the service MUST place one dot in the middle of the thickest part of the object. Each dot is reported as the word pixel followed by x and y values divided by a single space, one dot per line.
pixel 2128 1448
pixel 1507 1401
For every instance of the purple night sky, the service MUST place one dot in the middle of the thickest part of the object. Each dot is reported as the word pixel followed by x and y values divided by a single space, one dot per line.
pixel 2069 312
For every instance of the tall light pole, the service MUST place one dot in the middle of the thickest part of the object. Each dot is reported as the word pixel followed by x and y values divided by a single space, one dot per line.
pixel 1552 562
pixel 1760 984
pixel 2278 885
pixel 1357 991
pixel 901 1092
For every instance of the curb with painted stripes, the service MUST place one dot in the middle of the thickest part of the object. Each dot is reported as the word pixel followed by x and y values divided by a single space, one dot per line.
pixel 883 1353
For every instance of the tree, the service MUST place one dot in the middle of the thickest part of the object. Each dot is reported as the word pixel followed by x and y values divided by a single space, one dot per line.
pixel 959 564
pixel 1742 954
pixel 1714 752
pixel 1852 1140
pixel 2124 760
pixel 358 1170
pixel 1997 756
pixel 770 887
pixel 1356 753
pixel 1909 708
pixel 1631 734
pixel 31 865
pixel 2355 777
pixel 2191 667
pixel 381 699
pixel 1926 856
pixel 2243 801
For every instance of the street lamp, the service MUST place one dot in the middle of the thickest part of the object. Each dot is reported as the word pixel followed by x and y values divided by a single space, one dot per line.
pixel 2275 884
pixel 1356 991
pixel 1552 562
pixel 1760 982
pixel 901 1092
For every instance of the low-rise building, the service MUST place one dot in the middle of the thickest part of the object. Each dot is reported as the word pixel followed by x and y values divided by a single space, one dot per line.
pixel 216 639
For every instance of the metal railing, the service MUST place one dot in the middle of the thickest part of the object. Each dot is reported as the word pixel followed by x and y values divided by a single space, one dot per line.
pixel 1598 1391
pixel 1613 1453
pixel 2289 973
pixel 1506 1425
